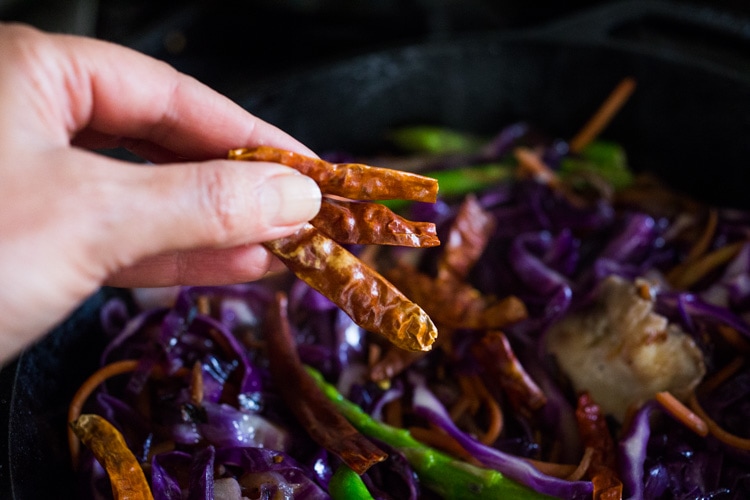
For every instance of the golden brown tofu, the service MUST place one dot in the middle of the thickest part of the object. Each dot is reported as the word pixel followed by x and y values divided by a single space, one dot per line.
pixel 622 352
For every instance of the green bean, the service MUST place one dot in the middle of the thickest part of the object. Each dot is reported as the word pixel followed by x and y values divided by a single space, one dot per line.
pixel 345 484
pixel 439 472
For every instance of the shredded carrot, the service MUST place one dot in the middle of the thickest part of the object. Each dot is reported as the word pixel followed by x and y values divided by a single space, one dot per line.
pixel 494 413
pixel 460 407
pixel 583 465
pixel 733 338
pixel 556 448
pixel 196 384
pixel 474 396
pixel 703 243
pixel 716 430
pixel 393 413
pixel 721 376
pixel 686 276
pixel 532 165
pixel 83 393
pixel 682 413
pixel 203 304
pixel 469 400
pixel 553 469
pixel 604 115
pixel 644 291
pixel 374 351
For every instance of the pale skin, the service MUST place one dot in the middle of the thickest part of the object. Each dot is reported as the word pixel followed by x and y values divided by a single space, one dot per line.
pixel 73 220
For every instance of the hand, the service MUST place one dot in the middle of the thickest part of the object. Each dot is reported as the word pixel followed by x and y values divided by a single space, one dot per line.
pixel 72 220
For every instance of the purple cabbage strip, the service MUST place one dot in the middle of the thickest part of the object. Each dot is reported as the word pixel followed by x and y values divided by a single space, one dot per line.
pixel 125 345
pixel 164 467
pixel 272 473
pixel 632 450
pixel 226 426
pixel 548 287
pixel 531 269
pixel 504 141
pixel 135 429
pixel 732 289
pixel 677 305
pixel 185 330
pixel 250 379
pixel 303 296
pixel 392 479
pixel 429 407
pixel 635 238
pixel 201 485
pixel 114 316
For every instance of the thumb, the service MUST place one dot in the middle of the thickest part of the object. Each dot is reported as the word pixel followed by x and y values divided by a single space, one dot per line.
pixel 210 205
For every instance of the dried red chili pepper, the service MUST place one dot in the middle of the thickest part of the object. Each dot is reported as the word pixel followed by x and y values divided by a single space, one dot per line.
pixel 350 180
pixel 467 239
pixel 109 447
pixel 500 364
pixel 455 304
pixel 393 362
pixel 364 223
pixel 314 411
pixel 316 257
pixel 367 297
pixel 595 434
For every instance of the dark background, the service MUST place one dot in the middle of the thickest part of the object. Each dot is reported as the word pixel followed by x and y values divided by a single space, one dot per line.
pixel 231 43
pixel 226 42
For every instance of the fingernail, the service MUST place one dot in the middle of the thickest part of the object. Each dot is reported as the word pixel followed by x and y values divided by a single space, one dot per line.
pixel 290 199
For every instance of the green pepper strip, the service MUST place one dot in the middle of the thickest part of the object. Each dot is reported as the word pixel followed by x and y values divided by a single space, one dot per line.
pixel 345 484
pixel 607 159
pixel 461 181
pixel 434 140
pixel 441 473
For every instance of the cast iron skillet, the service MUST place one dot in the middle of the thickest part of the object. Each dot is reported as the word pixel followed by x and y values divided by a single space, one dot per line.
pixel 689 122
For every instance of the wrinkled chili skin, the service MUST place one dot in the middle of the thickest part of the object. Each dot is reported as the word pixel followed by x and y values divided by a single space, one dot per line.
pixel 393 362
pixel 363 223
pixel 367 297
pixel 322 421
pixel 467 239
pixel 456 304
pixel 350 180
pixel 595 434
pixel 500 364
pixel 109 447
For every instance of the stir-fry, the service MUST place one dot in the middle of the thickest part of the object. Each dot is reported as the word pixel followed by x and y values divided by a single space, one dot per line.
pixel 594 328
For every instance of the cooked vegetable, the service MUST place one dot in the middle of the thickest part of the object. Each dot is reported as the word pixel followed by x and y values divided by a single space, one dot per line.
pixel 595 436
pixel 434 140
pixel 315 257
pixel 601 118
pixel 319 418
pixel 85 390
pixel 363 223
pixel 345 484
pixel 111 451
pixel 371 300
pixel 497 359
pixel 441 473
pixel 593 342
pixel 620 337
pixel 350 180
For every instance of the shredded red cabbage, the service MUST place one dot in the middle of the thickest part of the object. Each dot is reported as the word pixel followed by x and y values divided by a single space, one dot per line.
pixel 548 249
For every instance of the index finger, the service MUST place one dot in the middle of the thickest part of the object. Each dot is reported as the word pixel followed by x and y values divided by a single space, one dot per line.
pixel 112 90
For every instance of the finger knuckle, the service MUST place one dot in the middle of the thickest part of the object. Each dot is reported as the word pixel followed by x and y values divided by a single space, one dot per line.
pixel 219 202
